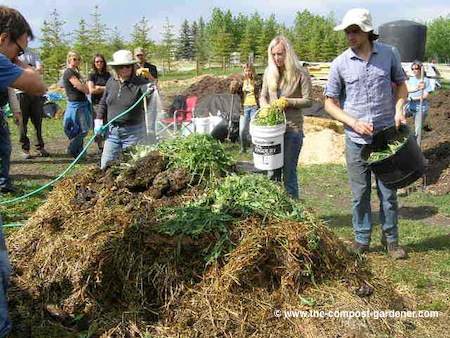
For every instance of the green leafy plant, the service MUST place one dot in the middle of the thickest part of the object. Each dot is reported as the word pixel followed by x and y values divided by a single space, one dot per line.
pixel 273 114
pixel 391 149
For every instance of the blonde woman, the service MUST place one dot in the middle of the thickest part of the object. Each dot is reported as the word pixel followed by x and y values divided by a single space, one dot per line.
pixel 77 117
pixel 285 77
pixel 250 95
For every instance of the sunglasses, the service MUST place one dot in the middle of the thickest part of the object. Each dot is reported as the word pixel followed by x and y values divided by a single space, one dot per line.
pixel 21 51
pixel 124 66
pixel 415 68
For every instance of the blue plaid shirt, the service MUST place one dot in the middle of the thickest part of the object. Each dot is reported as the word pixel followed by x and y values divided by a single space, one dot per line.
pixel 364 88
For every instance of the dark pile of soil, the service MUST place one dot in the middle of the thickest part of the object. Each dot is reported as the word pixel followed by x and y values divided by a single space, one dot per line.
pixel 436 143
pixel 209 85
pixel 216 85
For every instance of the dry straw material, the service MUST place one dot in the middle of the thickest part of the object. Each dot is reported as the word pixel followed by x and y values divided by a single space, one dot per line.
pixel 103 253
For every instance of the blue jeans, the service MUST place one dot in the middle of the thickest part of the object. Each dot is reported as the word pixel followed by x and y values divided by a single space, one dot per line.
pixel 120 138
pixel 5 273
pixel 244 125
pixel 293 141
pixel 76 144
pixel 360 183
pixel 412 109
pixel 5 153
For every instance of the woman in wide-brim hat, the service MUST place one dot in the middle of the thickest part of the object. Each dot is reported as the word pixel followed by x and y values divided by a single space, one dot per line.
pixel 122 90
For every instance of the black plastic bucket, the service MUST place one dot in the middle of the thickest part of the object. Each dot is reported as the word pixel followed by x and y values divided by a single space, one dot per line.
pixel 404 167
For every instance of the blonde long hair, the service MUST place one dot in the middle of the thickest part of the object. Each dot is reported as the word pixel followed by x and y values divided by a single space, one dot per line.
pixel 72 54
pixel 292 68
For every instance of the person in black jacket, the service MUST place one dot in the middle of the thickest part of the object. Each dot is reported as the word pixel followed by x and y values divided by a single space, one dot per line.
pixel 144 68
pixel 122 90
pixel 96 83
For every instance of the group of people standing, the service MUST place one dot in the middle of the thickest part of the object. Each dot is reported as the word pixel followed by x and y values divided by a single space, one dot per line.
pixel 111 94
pixel 359 93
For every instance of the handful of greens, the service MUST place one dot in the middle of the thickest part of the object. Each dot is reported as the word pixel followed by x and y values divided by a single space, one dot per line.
pixel 391 149
pixel 272 115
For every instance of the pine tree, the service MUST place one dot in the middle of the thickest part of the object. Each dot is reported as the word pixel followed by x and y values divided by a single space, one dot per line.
pixel 269 31
pixel 239 25
pixel 302 34
pixel 168 44
pixel 98 33
pixel 116 42
pixel 328 48
pixel 54 47
pixel 219 36
pixel 201 45
pixel 184 42
pixel 249 42
pixel 193 39
pixel 83 44
pixel 140 36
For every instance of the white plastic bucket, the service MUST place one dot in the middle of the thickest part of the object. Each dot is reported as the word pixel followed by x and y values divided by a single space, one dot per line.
pixel 201 125
pixel 268 145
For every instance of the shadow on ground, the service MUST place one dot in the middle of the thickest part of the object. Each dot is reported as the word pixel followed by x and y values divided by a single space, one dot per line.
pixel 417 213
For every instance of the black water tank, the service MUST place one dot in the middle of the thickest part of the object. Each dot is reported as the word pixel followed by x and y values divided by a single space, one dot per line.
pixel 408 36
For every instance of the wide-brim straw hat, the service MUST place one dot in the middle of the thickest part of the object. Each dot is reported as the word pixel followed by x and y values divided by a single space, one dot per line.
pixel 122 57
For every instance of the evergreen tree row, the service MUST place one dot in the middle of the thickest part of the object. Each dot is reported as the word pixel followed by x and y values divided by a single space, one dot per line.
pixel 246 38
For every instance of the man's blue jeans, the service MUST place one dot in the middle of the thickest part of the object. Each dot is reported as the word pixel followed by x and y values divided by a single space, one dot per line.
pixel 118 139
pixel 360 183
pixel 5 273
pixel 5 153
pixel 244 124
pixel 293 141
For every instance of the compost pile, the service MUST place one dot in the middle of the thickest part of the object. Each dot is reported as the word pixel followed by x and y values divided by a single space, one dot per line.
pixel 436 143
pixel 170 242
pixel 209 85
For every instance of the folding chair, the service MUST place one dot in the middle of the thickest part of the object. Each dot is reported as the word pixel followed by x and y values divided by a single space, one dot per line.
pixel 181 120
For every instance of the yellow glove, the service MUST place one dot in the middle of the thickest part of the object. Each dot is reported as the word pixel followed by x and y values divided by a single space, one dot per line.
pixel 264 112
pixel 144 72
pixel 280 103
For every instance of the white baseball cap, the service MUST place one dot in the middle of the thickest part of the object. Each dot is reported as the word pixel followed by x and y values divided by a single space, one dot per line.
pixel 356 16
pixel 122 57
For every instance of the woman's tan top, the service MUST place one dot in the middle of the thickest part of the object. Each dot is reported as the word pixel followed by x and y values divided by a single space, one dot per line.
pixel 298 96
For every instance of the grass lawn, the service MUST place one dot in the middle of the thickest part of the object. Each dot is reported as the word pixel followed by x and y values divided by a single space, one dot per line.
pixel 424 230
pixel 424 219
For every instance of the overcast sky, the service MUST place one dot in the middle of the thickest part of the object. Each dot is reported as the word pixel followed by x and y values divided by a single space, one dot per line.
pixel 125 13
